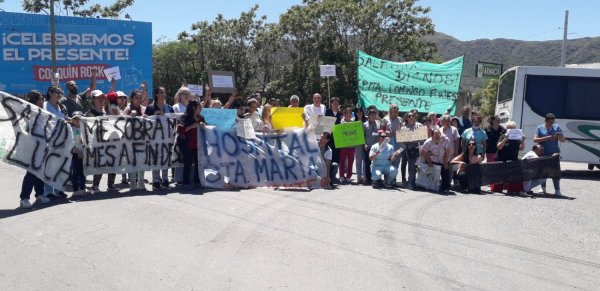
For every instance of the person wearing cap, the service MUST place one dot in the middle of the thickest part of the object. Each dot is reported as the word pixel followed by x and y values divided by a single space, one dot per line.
pixel 548 135
pixel 122 100
pixel 159 107
pixel 75 101
pixel 77 176
pixel 382 155
pixel 98 105
pixel 31 181
pixel 371 130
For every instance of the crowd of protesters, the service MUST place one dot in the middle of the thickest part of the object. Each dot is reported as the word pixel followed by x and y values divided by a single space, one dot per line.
pixel 453 141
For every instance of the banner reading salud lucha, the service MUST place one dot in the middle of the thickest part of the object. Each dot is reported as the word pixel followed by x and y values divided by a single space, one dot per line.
pixel 425 86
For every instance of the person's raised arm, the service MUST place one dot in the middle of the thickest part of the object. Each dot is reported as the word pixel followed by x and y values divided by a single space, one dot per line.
pixel 92 87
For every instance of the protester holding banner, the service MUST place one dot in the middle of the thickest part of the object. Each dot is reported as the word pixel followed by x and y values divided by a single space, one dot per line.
pixel 188 129
pixel 359 153
pixel 294 101
pixel 412 149
pixel 326 154
pixel 265 124
pixel 346 154
pixel 77 175
pixel 437 150
pixel 371 129
pixel 122 100
pixel 334 111
pixel 536 152
pixel 468 156
pixel 509 145
pixel 183 95
pixel 75 101
pixel 548 135
pixel 252 114
pixel 53 106
pixel 392 122
pixel 382 155
pixel 30 181
pixel 159 107
pixel 476 133
pixel 98 105
pixel 135 109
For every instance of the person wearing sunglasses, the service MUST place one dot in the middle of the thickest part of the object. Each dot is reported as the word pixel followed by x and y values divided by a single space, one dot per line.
pixel 467 157
pixel 382 155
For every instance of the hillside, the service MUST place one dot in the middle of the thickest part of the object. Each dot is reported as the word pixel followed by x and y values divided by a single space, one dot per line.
pixel 514 53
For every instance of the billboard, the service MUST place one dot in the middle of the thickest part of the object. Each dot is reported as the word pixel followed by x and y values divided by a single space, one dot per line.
pixel 83 44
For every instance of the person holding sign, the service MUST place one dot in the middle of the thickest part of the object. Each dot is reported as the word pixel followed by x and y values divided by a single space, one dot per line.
pixel 188 129
pixel 135 108
pixel 74 101
pixel 382 155
pixel 509 145
pixel 548 135
pixel 316 109
pixel 53 106
pixel 252 114
pixel 294 101
pixel 346 154
pixel 98 105
pixel 359 153
pixel 326 155
pixel 159 107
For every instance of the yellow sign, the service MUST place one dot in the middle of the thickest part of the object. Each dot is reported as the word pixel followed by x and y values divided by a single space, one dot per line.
pixel 287 117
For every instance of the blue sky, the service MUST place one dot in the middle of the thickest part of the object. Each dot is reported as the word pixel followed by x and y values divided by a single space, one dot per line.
pixel 464 19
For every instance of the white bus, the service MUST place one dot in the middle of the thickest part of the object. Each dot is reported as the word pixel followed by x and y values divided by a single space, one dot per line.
pixel 526 94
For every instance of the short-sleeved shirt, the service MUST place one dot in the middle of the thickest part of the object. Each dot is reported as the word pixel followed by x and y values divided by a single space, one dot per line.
pixel 326 153
pixel 464 124
pixel 438 150
pixel 73 104
pixel 530 155
pixel 179 108
pixel 371 130
pixel 478 135
pixel 452 134
pixel 392 126
pixel 383 159
pixel 312 111
pixel 56 110
pixel 550 146
pixel 493 137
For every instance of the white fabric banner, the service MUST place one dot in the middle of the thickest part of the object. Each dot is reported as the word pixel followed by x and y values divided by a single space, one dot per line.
pixel 291 159
pixel 35 140
pixel 123 144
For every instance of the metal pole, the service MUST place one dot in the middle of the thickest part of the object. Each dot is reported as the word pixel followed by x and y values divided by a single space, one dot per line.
pixel 563 55
pixel 328 92
pixel 53 37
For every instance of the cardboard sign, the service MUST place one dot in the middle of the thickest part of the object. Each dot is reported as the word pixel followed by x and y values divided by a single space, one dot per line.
pixel 349 134
pixel 196 89
pixel 514 134
pixel 245 129
pixel 221 81
pixel 327 71
pixel 322 124
pixel 221 118
pixel 113 73
pixel 287 117
pixel 407 135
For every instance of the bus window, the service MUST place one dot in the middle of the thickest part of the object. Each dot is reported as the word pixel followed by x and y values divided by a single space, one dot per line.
pixel 566 97
pixel 506 87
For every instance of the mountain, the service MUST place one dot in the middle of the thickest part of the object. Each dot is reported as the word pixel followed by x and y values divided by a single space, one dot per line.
pixel 510 53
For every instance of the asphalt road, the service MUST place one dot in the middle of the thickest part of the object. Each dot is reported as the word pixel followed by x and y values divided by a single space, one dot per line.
pixel 352 238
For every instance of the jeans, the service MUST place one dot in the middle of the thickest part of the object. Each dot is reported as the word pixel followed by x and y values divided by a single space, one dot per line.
pixel 412 170
pixel 528 185
pixel 360 163
pixel 556 183
pixel 77 176
pixel 190 158
pixel 389 172
pixel 445 177
pixel 403 165
pixel 367 162
pixel 30 182
pixel 156 176
pixel 136 178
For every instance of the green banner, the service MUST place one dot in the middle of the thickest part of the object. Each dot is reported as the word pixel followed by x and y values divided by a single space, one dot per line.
pixel 423 86
pixel 349 134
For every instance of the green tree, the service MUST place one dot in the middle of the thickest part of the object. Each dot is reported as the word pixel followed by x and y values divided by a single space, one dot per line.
pixel 77 7
pixel 488 98
pixel 174 63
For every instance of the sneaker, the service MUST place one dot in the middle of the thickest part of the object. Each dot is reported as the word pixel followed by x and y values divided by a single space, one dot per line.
pixel 59 194
pixel 78 193
pixel 95 189
pixel 112 188
pixel 25 204
pixel 558 194
pixel 42 199
pixel 542 191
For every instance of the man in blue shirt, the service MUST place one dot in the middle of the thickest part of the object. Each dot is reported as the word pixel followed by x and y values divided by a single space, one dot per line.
pixel 548 135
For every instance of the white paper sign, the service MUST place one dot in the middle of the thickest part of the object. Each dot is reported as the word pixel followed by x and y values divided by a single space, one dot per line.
pixel 112 73
pixel 328 71
pixel 222 81
pixel 515 134
pixel 245 129
pixel 322 124
pixel 196 89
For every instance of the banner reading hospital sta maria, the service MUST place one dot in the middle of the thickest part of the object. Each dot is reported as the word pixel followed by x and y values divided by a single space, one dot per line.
pixel 425 86
pixel 83 44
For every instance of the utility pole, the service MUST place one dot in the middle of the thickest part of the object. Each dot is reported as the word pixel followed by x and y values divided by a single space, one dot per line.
pixel 53 39
pixel 563 56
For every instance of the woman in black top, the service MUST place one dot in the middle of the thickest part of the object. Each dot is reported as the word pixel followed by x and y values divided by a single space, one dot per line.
pixel 508 150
